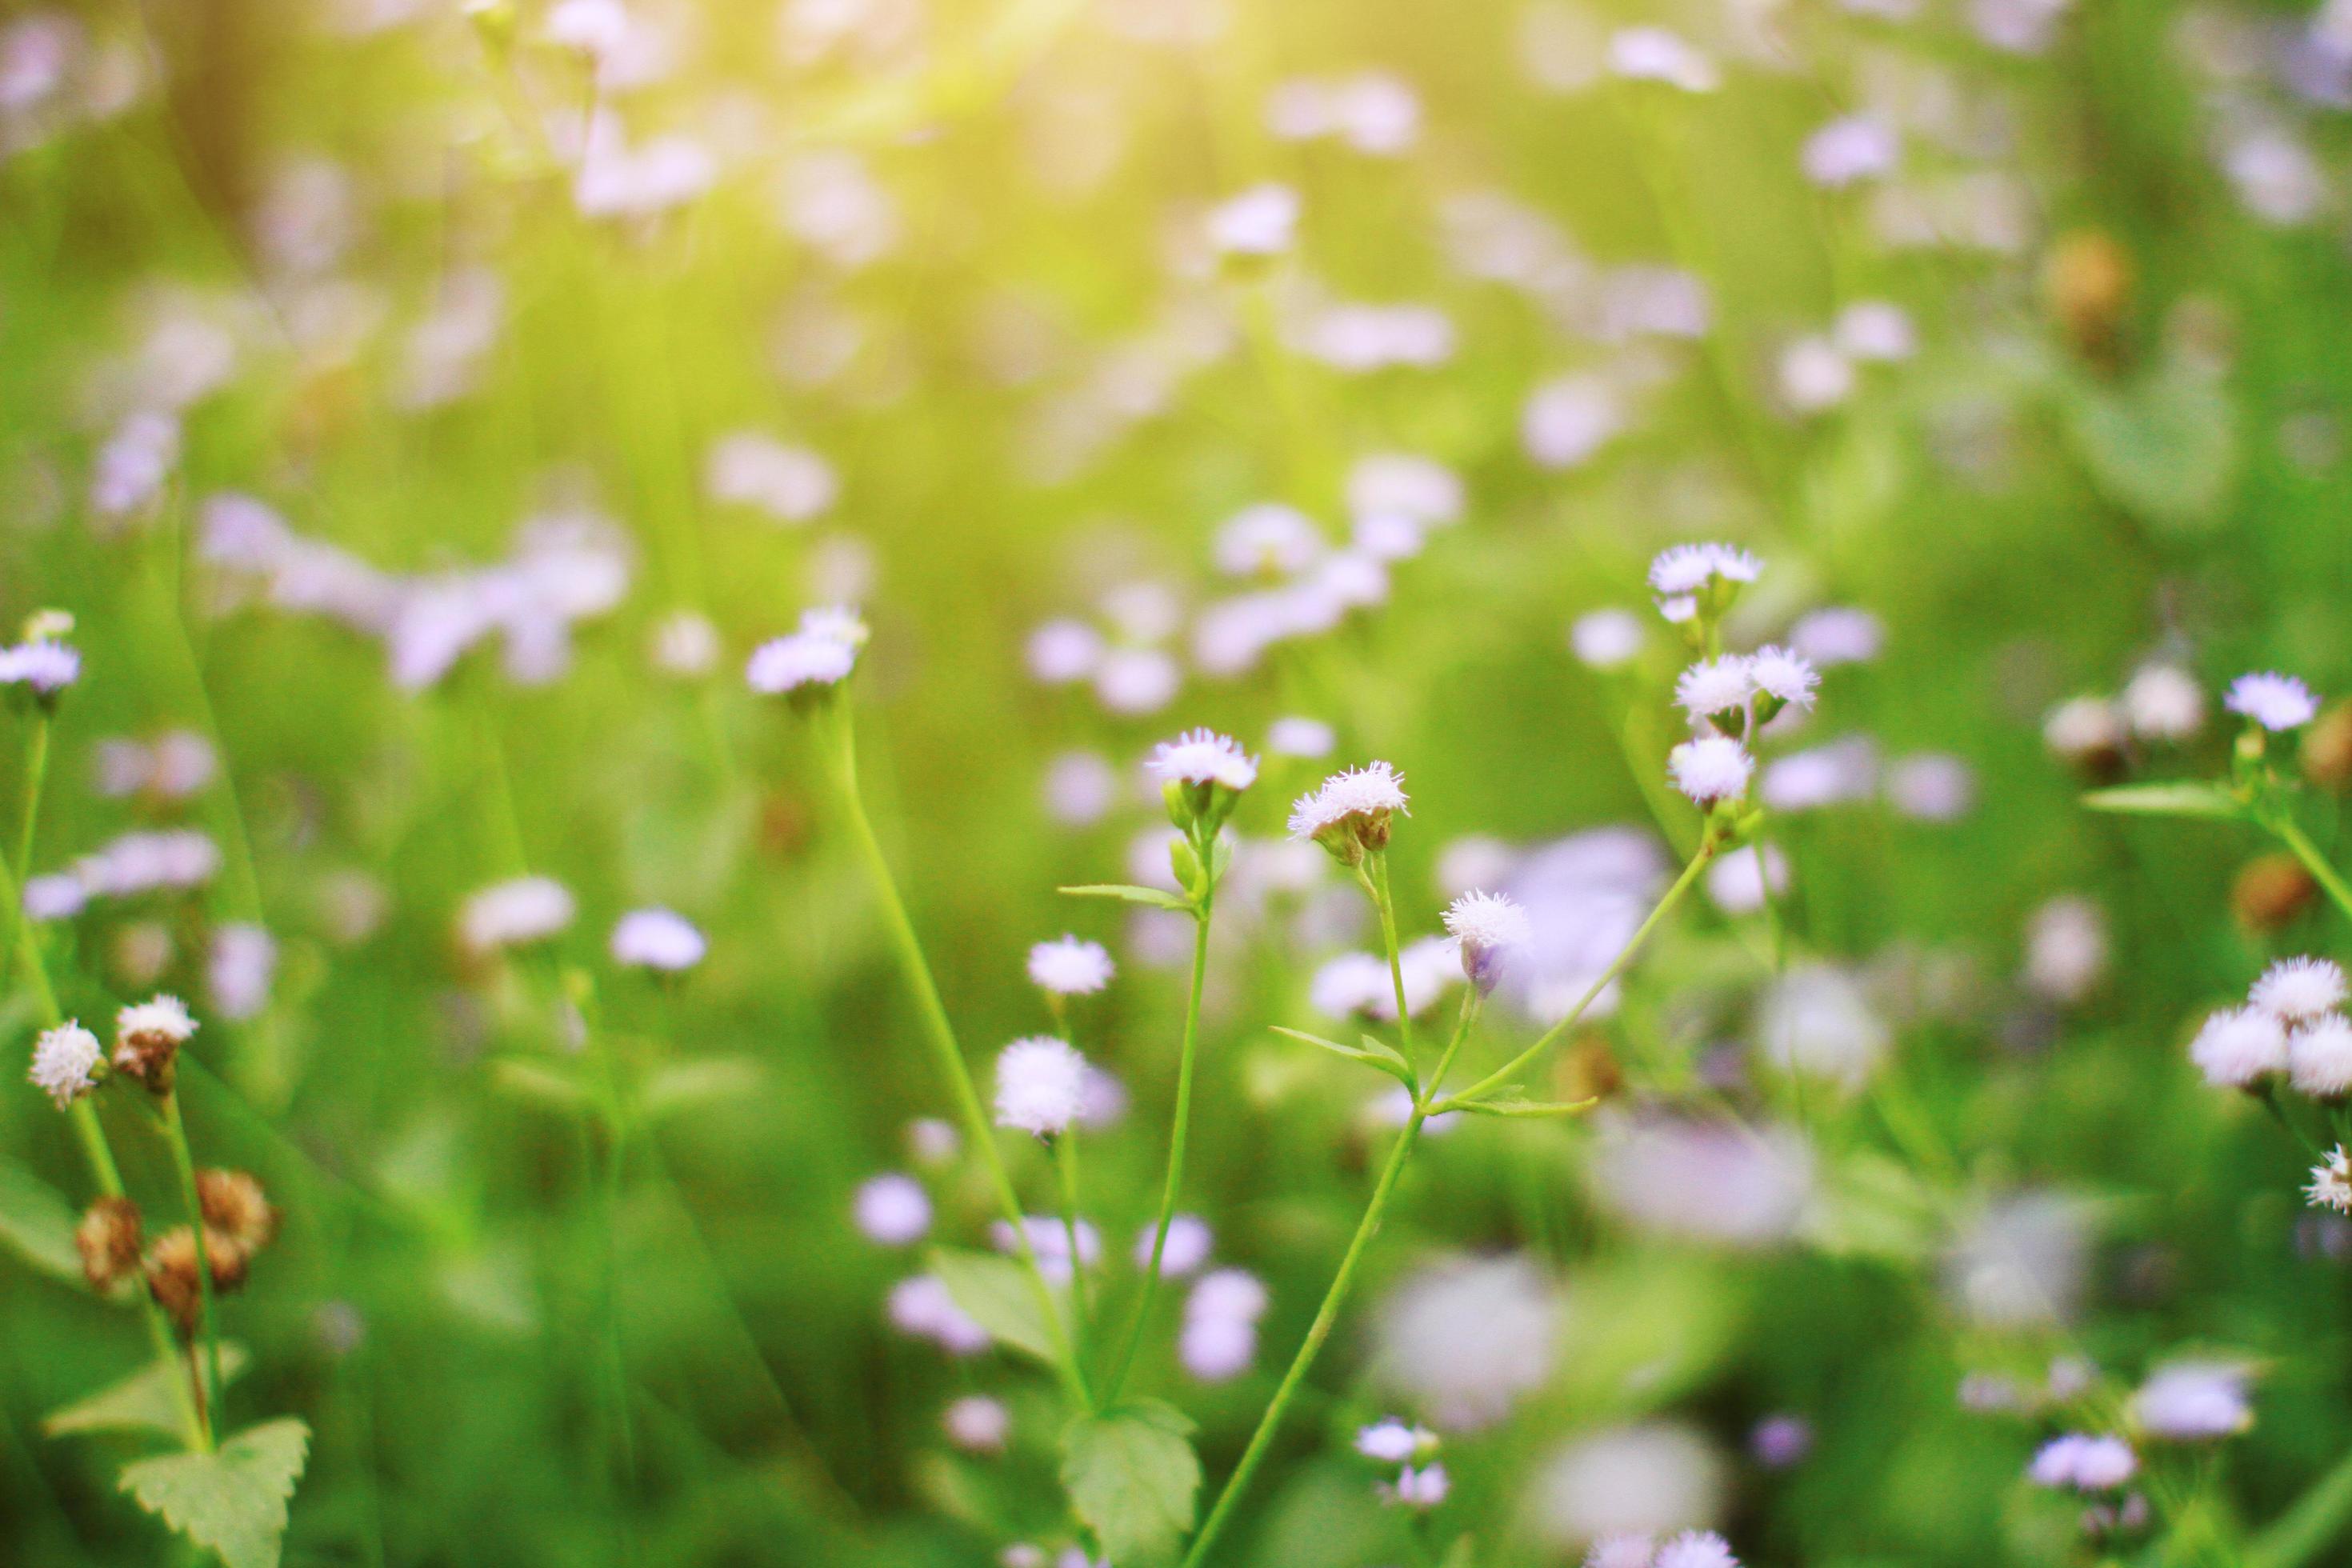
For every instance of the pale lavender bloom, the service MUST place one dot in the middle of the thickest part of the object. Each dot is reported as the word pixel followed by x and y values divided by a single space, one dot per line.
pixel 1080 788
pixel 1653 53
pixel 1931 786
pixel 1299 737
pixel 1219 1339
pixel 1260 221
pixel 2194 1401
pixel 1467 1339
pixel 1837 774
pixel 1419 1487
pixel 2020 1263
pixel 1711 769
pixel 515 913
pixel 658 938
pixel 1049 1241
pixel 2273 701
pixel 1780 1441
pixel 921 1306
pixel 1839 635
pixel 242 962
pixel 1185 1250
pixel 791 484
pixel 134 463
pixel 2066 950
pixel 1070 967
pixel 1606 639
pixel 1568 420
pixel 2297 990
pixel 42 665
pixel 1062 652
pixel 1137 680
pixel 1705 1181
pixel 1637 1480
pixel 1695 1549
pixel 1039 1081
pixel 977 1423
pixel 830 201
pixel 2237 1049
pixel 1846 152
pixel 1391 1442
pixel 58 895
pixel 2084 1463
pixel 1873 331
pixel 893 1209
pixel 1405 484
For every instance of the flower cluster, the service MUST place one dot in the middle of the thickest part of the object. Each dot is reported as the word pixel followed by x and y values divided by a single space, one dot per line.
pixel 812 661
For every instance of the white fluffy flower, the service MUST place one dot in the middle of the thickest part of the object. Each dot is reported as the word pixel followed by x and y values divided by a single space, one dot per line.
pixel 1469 1337
pixel 64 1063
pixel 1715 686
pixel 2164 703
pixel 1653 53
pixel 2066 949
pixel 2238 1047
pixel 1688 568
pixel 1606 639
pixel 1069 966
pixel 2082 727
pixel 238 970
pixel 1257 221
pixel 1695 1549
pixel 893 1209
pixel 658 938
pixel 977 1423
pixel 1203 757
pixel 162 1018
pixel 513 914
pixel 1713 768
pixel 2081 1462
pixel 1420 1487
pixel 2295 989
pixel 2191 1400
pixel 1391 1442
pixel 787 664
pixel 1779 673
pixel 2274 701
pixel 47 666
pixel 1219 1340
pixel 1040 1082
pixel 1490 927
pixel 1367 794
pixel 2320 1056
pixel 1637 1480
pixel 922 1305
pixel 2331 1183
pixel 1300 737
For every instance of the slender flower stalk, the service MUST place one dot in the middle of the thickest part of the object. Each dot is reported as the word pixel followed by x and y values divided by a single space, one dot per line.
pixel 1177 1138
pixel 1065 1167
pixel 175 1135
pixel 195 1412
pixel 838 740
pixel 1708 850
pixel 1342 1282
pixel 2299 843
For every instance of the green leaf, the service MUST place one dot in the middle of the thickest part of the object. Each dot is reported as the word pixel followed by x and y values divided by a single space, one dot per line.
pixel 232 1499
pixel 1131 894
pixel 2163 447
pixel 1372 1053
pixel 684 1086
pixel 1000 1296
pixel 38 1223
pixel 1132 1475
pixel 2181 799
pixel 536 1081
pixel 1512 1105
pixel 153 1399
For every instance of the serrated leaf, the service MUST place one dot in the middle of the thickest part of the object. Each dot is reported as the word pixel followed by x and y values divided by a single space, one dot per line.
pixel 1511 1105
pixel 998 1294
pixel 683 1086
pixel 232 1499
pixel 1131 894
pixel 37 1223
pixel 1133 1476
pixel 2183 799
pixel 155 1399
pixel 1372 1053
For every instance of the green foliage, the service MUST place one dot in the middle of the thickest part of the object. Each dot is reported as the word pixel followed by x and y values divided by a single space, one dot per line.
pixel 2183 799
pixel 1131 1475
pixel 155 1398
pixel 37 1224
pixel 1375 1054
pixel 1000 1296
pixel 231 1501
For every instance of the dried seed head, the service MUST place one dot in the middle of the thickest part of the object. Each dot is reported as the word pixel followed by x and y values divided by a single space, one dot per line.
pixel 172 1270
pixel 233 1206
pixel 108 1239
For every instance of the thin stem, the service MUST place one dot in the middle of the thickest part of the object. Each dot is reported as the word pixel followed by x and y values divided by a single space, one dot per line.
pixel 1176 1144
pixel 2313 861
pixel 1707 849
pixel 940 1034
pixel 175 1133
pixel 83 1114
pixel 1381 901
pixel 617 1366
pixel 1065 1166
pixel 1333 1298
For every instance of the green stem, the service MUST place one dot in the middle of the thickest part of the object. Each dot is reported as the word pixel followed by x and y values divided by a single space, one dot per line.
pixel 1176 1144
pixel 1709 848
pixel 940 1035
pixel 1377 886
pixel 175 1133
pixel 1333 1298
pixel 617 1366
pixel 83 1114
pixel 2313 861
pixel 1065 1166
pixel 2315 1518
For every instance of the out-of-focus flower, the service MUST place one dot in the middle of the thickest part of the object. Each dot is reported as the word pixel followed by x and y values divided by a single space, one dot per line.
pixel 515 913
pixel 1039 1081
pixel 893 1209
pixel 1638 1480
pixel 2193 1400
pixel 2273 701
pixel 1069 966
pixel 2065 950
pixel 1469 1337
pixel 1706 1181
pixel 659 939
